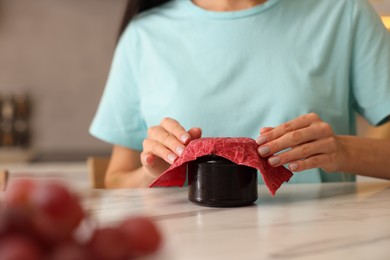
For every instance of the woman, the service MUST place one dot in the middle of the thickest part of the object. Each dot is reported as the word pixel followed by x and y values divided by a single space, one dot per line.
pixel 294 72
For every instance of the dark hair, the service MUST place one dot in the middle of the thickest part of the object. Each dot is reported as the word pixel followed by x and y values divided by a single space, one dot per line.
pixel 135 7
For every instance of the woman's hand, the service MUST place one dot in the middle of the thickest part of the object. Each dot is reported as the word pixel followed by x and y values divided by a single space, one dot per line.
pixel 310 143
pixel 164 144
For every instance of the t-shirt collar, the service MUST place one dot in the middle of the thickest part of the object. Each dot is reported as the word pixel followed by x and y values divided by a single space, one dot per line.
pixel 228 14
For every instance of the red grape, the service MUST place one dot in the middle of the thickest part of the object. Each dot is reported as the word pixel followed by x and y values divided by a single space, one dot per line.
pixel 58 212
pixel 18 247
pixel 18 193
pixel 69 251
pixel 141 235
pixel 17 221
pixel 40 220
pixel 14 220
pixel 108 244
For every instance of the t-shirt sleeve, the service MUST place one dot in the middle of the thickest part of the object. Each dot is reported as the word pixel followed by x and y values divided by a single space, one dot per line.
pixel 370 67
pixel 118 119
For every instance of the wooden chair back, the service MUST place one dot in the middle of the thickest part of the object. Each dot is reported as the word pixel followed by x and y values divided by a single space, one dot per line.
pixel 3 179
pixel 97 167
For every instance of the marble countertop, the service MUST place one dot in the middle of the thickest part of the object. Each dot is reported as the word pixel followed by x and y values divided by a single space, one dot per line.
pixel 303 221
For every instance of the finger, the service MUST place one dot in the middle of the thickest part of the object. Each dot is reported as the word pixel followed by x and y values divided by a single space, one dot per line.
pixel 295 124
pixel 147 159
pixel 316 131
pixel 173 127
pixel 156 148
pixel 159 134
pixel 195 132
pixel 316 161
pixel 262 139
pixel 266 129
pixel 154 165
pixel 303 151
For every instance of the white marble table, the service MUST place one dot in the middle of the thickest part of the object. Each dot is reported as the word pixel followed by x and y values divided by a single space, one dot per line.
pixel 306 221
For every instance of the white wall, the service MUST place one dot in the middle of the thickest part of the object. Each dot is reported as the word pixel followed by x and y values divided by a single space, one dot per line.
pixel 60 52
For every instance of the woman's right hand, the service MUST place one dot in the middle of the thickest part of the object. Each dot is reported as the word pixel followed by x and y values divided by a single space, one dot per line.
pixel 164 144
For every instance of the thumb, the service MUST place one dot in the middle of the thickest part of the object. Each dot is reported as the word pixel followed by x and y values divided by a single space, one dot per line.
pixel 195 132
pixel 153 164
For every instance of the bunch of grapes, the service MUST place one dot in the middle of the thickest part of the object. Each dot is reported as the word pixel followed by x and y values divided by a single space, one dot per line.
pixel 39 220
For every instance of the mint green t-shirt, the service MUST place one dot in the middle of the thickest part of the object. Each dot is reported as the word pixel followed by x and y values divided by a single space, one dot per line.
pixel 232 73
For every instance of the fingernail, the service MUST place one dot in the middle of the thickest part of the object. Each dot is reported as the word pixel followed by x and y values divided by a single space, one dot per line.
pixel 149 160
pixel 261 140
pixel 172 157
pixel 293 166
pixel 263 150
pixel 184 138
pixel 274 160
pixel 179 150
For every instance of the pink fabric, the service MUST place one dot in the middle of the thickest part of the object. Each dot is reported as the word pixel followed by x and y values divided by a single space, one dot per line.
pixel 238 150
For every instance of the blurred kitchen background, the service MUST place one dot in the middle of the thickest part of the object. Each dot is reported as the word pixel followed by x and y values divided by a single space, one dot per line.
pixel 54 60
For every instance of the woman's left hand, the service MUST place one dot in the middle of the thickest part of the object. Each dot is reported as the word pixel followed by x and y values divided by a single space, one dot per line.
pixel 310 143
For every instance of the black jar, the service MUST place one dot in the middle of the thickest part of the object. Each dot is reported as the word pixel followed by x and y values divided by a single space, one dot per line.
pixel 217 182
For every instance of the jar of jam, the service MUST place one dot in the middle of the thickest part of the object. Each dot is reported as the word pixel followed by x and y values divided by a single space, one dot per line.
pixel 217 182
